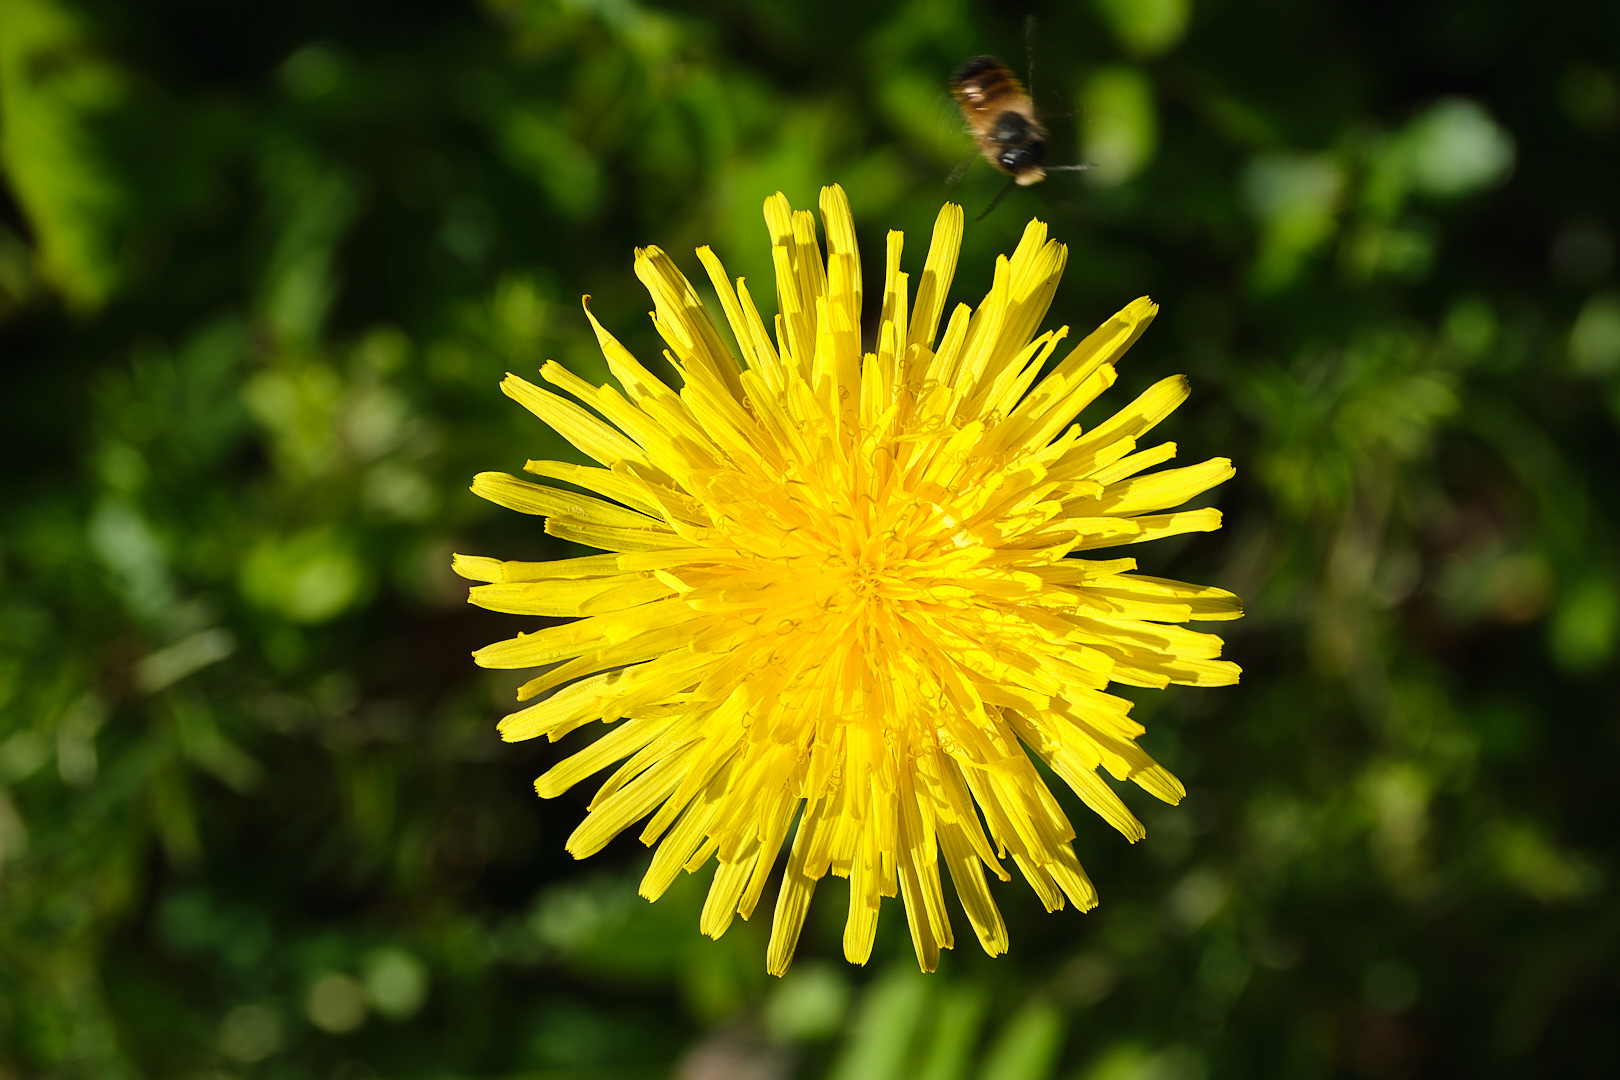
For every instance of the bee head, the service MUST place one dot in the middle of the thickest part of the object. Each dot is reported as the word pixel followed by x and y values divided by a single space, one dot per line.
pixel 1024 162
pixel 1021 146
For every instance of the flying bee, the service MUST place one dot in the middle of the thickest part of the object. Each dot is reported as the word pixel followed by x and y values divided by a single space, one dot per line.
pixel 1004 123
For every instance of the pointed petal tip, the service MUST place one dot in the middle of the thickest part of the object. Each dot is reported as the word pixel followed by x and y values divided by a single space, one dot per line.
pixel 514 385
pixel 476 567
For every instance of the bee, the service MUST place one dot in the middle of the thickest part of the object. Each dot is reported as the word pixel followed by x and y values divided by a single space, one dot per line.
pixel 1004 123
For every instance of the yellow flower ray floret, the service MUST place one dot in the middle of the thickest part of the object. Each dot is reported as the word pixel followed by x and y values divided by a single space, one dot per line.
pixel 842 586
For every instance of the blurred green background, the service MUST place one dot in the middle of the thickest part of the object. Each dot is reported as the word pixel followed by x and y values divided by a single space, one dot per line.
pixel 263 265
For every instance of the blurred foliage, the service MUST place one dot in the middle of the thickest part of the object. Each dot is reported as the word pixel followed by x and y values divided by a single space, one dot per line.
pixel 261 269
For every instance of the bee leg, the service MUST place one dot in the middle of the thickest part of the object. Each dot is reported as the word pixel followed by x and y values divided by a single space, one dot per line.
pixel 995 202
pixel 1029 52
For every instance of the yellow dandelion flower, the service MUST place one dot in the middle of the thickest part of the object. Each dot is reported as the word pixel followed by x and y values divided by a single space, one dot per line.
pixel 849 588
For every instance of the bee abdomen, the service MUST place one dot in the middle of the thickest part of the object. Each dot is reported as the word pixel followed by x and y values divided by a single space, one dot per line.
pixel 982 81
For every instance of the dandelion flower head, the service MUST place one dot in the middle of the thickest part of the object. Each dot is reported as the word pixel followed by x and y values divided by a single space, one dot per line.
pixel 845 595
